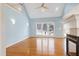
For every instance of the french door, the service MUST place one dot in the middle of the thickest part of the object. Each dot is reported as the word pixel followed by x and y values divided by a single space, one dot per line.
pixel 45 29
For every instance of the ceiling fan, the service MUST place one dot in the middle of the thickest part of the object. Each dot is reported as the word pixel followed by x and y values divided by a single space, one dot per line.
pixel 43 7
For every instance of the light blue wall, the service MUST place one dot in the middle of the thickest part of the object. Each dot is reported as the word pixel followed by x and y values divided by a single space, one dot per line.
pixel 69 6
pixel 30 20
pixel 58 27
pixel 56 21
pixel 19 30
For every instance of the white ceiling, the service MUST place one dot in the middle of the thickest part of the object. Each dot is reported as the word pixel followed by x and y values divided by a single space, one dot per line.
pixel 54 10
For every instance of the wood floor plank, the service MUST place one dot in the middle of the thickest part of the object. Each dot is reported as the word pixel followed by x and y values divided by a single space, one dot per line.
pixel 37 47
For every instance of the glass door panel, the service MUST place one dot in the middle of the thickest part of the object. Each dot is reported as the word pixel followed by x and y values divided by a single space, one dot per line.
pixel 45 29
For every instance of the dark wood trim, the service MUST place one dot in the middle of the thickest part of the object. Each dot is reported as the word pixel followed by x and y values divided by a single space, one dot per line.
pixel 74 39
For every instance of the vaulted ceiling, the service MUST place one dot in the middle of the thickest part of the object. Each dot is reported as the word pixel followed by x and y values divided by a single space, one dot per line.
pixel 54 10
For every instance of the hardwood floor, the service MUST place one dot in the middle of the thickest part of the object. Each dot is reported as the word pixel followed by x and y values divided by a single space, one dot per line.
pixel 37 47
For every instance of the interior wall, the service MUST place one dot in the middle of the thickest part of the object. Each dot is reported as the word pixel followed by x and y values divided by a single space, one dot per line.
pixel 0 31
pixel 73 26
pixel 57 22
pixel 68 7
pixel 77 20
pixel 18 31
pixel 2 36
pixel 70 26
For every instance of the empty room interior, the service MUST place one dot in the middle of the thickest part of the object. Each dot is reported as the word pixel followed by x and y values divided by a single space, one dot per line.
pixel 39 29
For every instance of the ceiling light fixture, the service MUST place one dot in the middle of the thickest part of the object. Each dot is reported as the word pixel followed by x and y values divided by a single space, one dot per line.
pixel 43 7
pixel 57 8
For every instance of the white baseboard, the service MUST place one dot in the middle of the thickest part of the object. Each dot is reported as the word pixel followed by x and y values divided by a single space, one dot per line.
pixel 49 36
pixel 16 42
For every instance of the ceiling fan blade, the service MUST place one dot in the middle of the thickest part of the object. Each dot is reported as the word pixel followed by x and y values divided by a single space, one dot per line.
pixel 45 7
pixel 37 7
pixel 42 5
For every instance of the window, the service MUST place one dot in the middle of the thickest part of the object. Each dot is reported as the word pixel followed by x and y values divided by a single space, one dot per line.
pixel 39 26
pixel 45 29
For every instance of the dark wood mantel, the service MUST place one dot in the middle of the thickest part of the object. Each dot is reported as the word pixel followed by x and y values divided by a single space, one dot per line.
pixel 74 39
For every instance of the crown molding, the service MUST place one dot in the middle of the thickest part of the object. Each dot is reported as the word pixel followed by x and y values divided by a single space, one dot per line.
pixel 73 11
pixel 14 6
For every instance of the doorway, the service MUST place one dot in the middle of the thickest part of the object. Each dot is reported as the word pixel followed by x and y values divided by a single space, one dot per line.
pixel 45 29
